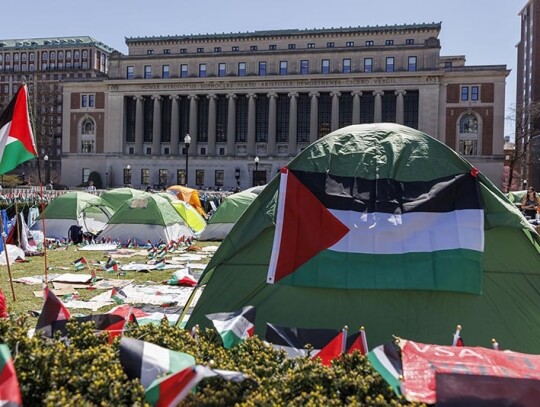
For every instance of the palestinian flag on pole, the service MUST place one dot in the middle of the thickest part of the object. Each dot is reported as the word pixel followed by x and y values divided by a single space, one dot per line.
pixel 294 341
pixel 234 327
pixel 10 393
pixel 17 143
pixel 111 266
pixel 333 349
pixel 358 341
pixel 378 233
pixel 457 339
pixel 386 360
pixel 118 295
pixel 53 310
pixel 182 277
pixel 146 361
pixel 80 264
pixel 113 324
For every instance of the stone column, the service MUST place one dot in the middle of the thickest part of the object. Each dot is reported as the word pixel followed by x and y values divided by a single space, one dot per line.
pixel 211 148
pixel 377 118
pixel 356 107
pixel 175 125
pixel 231 124
pixel 399 106
pixel 334 124
pixel 314 117
pixel 193 123
pixel 251 124
pixel 293 122
pixel 156 126
pixel 139 125
pixel 272 123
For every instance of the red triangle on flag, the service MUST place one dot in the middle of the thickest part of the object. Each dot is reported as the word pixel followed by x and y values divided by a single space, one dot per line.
pixel 332 350
pixel 307 228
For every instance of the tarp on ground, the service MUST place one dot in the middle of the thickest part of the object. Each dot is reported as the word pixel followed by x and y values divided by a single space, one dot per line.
pixel 190 215
pixel 488 280
pixel 116 197
pixel 148 218
pixel 188 195
pixel 226 215
pixel 74 208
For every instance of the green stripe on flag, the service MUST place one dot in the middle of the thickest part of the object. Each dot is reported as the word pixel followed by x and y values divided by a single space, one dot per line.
pixel 388 373
pixel 14 154
pixel 230 339
pixel 445 270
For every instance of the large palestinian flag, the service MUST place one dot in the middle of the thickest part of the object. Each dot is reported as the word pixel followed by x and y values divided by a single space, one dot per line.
pixel 17 143
pixel 351 232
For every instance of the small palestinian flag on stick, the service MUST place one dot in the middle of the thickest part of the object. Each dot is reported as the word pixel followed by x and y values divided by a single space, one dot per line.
pixel 234 327
pixel 458 341
pixel 358 342
pixel 10 393
pixel 80 264
pixel 118 295
pixel 333 349
pixel 495 344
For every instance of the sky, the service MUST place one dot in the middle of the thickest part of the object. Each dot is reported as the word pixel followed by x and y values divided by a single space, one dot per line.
pixel 485 31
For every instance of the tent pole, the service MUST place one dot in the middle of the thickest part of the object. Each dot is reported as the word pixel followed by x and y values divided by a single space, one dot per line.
pixel 17 224
pixel 45 260
pixel 7 258
pixel 186 307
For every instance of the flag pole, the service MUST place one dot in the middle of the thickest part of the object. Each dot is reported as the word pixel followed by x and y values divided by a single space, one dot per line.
pixel 7 258
pixel 186 307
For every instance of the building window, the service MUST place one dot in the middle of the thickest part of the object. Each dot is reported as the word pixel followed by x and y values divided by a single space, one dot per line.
pixel 349 44
pixel 91 100
pixel 468 124
pixel 242 69
pixel 304 67
pixel 222 69
pixel 147 71
pixel 87 146
pixel 448 64
pixel 85 174
pixel 475 91
pixel 311 45
pixel 325 66
pixel 219 178
pixel 84 100
pixel 330 45
pixel 236 48
pixel 127 176
pixel 148 150
pixel 166 51
pixel 199 177
pixel 409 41
pixel 181 177
pixel 217 49
pixel 283 67
pixel 253 48
pixel 468 137
pixel 130 74
pixel 291 46
pixel 183 71
pixel 411 64
pixel 389 42
pixel 200 50
pixel 183 50
pixel 346 65
pixel 163 177
pixel 464 93
pixel 150 52
pixel 145 176
pixel 369 43
pixel 272 47
pixel 202 70
pixel 262 68
pixel 389 64
pixel 165 71
pixel 368 64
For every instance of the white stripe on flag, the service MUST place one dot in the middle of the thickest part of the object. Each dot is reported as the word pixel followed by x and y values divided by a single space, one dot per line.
pixel 383 233
pixel 293 352
pixel 238 325
pixel 155 362
pixel 383 359
pixel 279 227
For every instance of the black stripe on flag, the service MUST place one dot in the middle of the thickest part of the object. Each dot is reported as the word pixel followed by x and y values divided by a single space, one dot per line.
pixel 297 338
pixel 7 114
pixel 131 356
pixel 447 194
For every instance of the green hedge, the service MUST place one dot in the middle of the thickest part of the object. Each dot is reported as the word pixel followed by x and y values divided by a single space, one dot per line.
pixel 84 369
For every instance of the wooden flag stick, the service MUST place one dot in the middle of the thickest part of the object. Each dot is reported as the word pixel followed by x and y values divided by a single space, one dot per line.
pixel 186 307
pixel 7 258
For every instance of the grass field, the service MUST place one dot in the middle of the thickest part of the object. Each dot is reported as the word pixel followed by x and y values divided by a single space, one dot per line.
pixel 35 266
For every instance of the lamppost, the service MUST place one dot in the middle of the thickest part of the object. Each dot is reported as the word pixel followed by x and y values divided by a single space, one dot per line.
pixel 107 180
pixel 524 184
pixel 127 175
pixel 256 169
pixel 47 169
pixel 187 142
pixel 237 176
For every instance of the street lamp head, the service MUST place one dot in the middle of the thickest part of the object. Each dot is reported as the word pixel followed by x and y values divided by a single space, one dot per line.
pixel 128 167
pixel 256 160
pixel 45 158
pixel 187 140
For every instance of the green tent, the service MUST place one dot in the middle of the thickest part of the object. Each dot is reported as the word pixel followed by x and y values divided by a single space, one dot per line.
pixel 226 215
pixel 190 215
pixel 147 218
pixel 74 208
pixel 516 196
pixel 492 290
pixel 116 197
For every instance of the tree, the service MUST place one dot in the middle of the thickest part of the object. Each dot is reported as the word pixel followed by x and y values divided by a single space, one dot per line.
pixel 527 125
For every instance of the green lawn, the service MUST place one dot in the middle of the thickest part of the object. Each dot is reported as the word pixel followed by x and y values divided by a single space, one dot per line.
pixel 25 298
